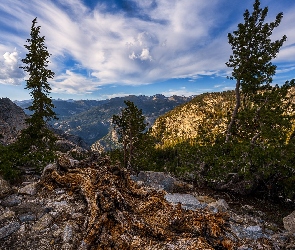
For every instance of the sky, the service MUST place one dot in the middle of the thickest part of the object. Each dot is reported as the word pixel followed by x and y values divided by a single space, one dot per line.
pixel 108 48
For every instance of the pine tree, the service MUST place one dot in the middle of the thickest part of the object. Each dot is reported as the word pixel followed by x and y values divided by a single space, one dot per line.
pixel 38 137
pixel 253 70
pixel 130 127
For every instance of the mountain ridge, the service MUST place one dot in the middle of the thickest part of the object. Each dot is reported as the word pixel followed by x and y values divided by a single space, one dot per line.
pixel 91 119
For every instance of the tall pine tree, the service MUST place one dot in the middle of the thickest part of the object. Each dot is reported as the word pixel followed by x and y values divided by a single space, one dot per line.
pixel 253 70
pixel 38 137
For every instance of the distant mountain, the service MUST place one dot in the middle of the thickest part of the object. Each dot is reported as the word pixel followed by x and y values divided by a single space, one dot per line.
pixel 64 108
pixel 91 119
pixel 13 120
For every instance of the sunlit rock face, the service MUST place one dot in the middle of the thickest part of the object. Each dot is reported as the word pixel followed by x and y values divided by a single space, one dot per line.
pixel 203 118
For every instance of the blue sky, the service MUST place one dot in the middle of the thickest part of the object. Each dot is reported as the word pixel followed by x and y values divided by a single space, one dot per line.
pixel 107 48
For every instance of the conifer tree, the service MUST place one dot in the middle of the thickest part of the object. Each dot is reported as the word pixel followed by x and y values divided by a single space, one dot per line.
pixel 253 51
pixel 38 135
pixel 130 127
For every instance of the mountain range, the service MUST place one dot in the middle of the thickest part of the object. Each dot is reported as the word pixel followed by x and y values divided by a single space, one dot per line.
pixel 91 119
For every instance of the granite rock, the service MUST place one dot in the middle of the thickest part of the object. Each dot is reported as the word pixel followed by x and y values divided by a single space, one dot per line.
pixel 289 222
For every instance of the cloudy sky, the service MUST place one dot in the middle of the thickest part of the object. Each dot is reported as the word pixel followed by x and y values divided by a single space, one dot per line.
pixel 106 48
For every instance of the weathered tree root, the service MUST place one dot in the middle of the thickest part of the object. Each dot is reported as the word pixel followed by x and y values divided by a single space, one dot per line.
pixel 123 215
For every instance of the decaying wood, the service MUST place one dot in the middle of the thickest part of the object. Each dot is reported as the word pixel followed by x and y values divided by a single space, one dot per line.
pixel 123 215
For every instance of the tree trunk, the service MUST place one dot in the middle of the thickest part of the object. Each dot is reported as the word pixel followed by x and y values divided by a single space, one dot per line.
pixel 235 112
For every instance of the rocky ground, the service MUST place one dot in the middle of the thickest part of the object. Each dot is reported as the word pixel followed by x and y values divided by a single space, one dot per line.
pixel 92 204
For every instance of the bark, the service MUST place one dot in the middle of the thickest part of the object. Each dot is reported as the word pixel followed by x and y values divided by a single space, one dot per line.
pixel 235 112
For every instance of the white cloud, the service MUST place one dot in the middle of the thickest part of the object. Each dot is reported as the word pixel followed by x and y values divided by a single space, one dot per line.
pixel 180 92
pixel 145 55
pixel 120 94
pixel 132 56
pixel 176 39
pixel 285 69
pixel 10 73
pixel 72 83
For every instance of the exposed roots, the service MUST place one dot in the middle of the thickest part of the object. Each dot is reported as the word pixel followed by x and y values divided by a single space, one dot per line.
pixel 122 215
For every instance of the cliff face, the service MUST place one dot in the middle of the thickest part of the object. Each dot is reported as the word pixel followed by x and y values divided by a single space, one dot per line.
pixel 12 121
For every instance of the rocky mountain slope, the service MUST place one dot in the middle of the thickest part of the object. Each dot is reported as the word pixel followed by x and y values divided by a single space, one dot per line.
pixel 207 113
pixel 64 108
pixel 12 121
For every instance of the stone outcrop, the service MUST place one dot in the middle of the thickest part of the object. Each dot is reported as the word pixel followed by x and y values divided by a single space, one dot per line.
pixel 12 121
pixel 289 222
pixel 91 204
pixel 160 180
pixel 95 205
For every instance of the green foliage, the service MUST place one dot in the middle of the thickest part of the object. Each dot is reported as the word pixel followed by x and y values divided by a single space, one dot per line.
pixel 15 156
pixel 253 49
pixel 37 134
pixel 35 147
pixel 253 70
pixel 130 127
pixel 256 146
pixel 8 160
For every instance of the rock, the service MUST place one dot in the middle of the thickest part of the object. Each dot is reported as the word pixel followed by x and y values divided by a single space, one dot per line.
pixel 220 205
pixel 157 180
pixel 9 229
pixel 248 232
pixel 289 222
pixel 43 223
pixel 27 217
pixel 92 204
pixel 161 181
pixel 5 187
pixel 30 189
pixel 248 209
pixel 187 201
pixel 68 233
pixel 205 199
pixel 7 215
pixel 11 200
pixel 67 246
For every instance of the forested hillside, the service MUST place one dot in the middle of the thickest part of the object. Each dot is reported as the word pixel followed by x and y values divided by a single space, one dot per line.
pixel 200 120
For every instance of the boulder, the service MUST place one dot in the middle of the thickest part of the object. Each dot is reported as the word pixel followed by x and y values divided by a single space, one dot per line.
pixel 220 205
pixel 9 229
pixel 187 201
pixel 289 222
pixel 11 200
pixel 161 181
pixel 30 189
pixel 43 223
pixel 5 187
